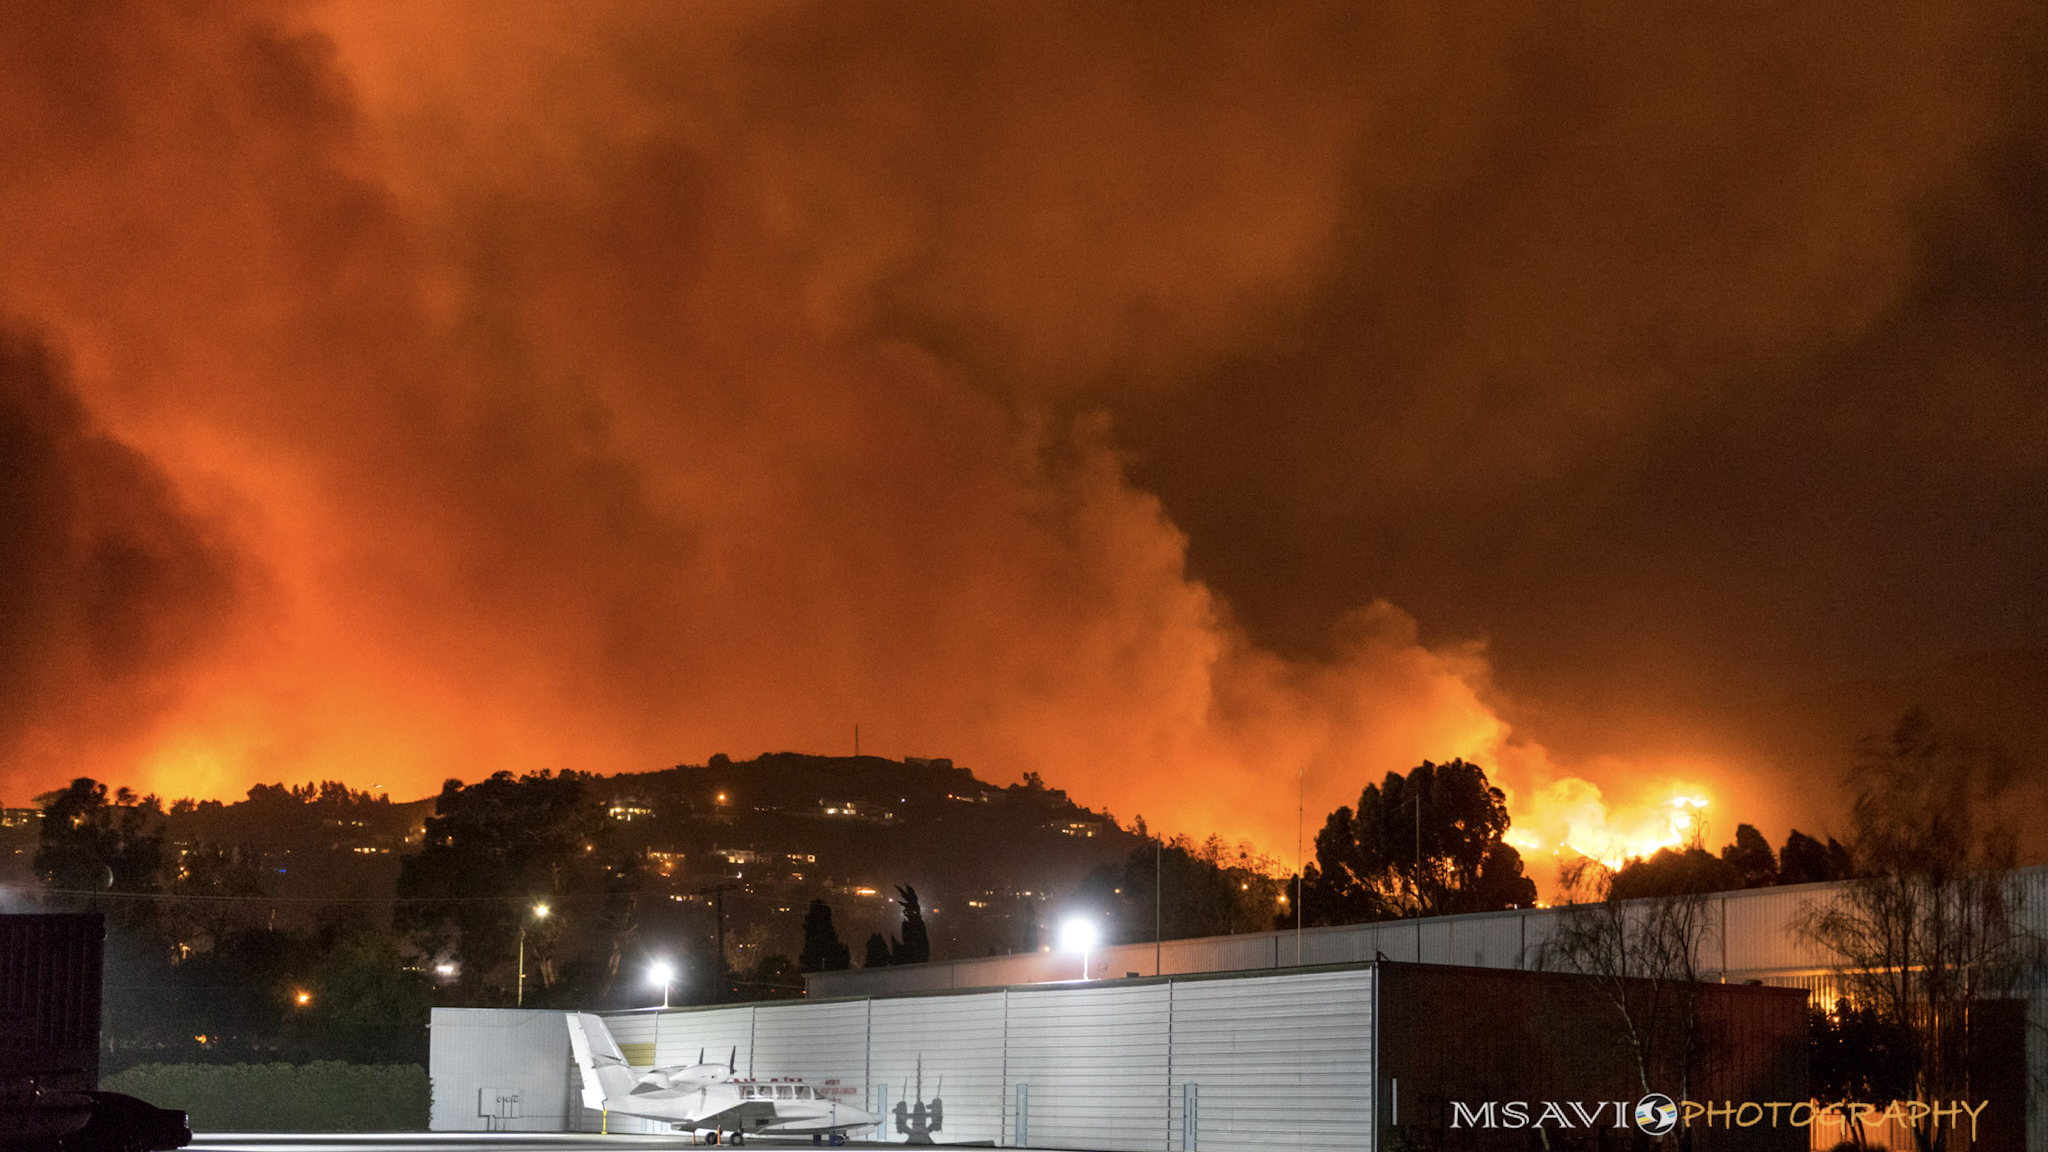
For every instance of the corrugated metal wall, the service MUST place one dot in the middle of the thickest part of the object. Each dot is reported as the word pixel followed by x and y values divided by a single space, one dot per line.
pixel 1095 1061
pixel 1284 1062
pixel 1282 1059
pixel 955 1044
pixel 1270 1061
pixel 1468 1035
pixel 1763 931
pixel 824 1044
pixel 718 1034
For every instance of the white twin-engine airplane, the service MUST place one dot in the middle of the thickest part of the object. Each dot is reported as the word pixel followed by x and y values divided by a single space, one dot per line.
pixel 700 1097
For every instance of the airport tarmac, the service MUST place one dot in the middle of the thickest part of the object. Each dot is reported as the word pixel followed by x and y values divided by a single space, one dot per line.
pixel 470 1142
pixel 426 1142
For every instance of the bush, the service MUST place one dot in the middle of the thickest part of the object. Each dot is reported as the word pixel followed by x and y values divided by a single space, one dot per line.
pixel 325 1096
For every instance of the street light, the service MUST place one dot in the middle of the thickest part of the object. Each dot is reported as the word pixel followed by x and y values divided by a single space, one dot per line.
pixel 664 974
pixel 540 912
pixel 1079 935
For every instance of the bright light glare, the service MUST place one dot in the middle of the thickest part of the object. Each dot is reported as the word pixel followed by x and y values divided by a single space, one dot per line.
pixel 1078 935
pixel 663 974
pixel 445 969
pixel 540 911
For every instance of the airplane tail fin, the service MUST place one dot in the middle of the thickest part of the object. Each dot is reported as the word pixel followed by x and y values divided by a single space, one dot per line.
pixel 605 1073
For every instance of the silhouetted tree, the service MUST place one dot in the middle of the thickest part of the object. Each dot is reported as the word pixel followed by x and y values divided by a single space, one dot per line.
pixel 1210 889
pixel 1425 844
pixel 916 945
pixel 823 951
pixel 208 870
pixel 366 1006
pixel 1855 1054
pixel 772 977
pixel 89 842
pixel 1643 951
pixel 91 845
pixel 1675 872
pixel 1751 857
pixel 1930 927
pixel 1805 860
pixel 877 953
pixel 495 848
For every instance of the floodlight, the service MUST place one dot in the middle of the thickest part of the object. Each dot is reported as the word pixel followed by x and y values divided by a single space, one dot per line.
pixel 663 973
pixel 1078 935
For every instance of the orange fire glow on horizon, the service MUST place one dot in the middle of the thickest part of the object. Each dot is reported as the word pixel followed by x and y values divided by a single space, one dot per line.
pixel 402 412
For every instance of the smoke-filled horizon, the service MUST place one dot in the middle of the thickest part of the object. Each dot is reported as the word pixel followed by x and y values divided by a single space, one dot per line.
pixel 1184 402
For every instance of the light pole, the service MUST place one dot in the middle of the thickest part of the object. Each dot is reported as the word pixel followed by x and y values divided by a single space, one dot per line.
pixel 664 974
pixel 540 912
pixel 1078 935
pixel 1417 801
pixel 1300 806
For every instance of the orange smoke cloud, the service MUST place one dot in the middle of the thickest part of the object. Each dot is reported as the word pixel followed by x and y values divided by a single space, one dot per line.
pixel 607 386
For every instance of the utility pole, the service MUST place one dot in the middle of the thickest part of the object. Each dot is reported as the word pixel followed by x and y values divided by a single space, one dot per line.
pixel 1415 784
pixel 856 741
pixel 718 910
pixel 717 895
pixel 1159 902
pixel 1300 806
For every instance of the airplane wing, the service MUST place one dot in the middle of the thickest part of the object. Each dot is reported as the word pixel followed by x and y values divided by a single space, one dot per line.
pixel 755 1112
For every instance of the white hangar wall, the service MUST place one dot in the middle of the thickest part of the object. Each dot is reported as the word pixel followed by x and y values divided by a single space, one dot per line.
pixel 1268 1060
pixel 499 1070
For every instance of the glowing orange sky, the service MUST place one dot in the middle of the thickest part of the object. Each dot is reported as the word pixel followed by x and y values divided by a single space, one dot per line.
pixel 444 388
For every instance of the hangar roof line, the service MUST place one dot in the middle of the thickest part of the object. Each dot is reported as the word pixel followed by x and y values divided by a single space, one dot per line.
pixel 1752 935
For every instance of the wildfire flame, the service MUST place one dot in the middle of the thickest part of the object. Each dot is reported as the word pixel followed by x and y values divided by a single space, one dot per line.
pixel 1571 818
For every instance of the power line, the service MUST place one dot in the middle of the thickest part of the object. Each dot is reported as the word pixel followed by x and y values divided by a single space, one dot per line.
pixel 37 891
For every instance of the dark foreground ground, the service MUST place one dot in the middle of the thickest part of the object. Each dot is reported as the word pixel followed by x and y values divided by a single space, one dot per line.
pixel 424 1142
pixel 462 1142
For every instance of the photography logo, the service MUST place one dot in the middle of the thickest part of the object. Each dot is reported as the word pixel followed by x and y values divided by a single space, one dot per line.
pixel 1656 1114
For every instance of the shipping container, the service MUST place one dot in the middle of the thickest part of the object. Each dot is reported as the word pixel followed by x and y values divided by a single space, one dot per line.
pixel 50 997
pixel 51 969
